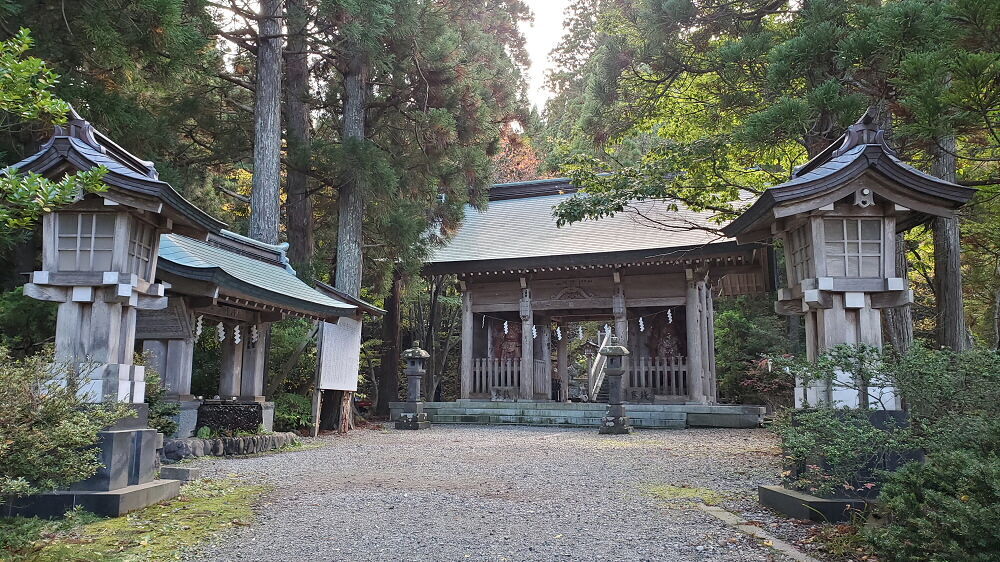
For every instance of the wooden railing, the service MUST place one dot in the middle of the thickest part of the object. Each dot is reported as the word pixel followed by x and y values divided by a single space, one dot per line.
pixel 596 374
pixel 658 376
pixel 543 371
pixel 490 374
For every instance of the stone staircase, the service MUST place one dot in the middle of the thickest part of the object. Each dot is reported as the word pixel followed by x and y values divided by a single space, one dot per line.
pixel 582 414
pixel 550 413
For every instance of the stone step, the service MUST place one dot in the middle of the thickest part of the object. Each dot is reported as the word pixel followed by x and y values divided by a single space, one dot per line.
pixel 546 412
pixel 570 421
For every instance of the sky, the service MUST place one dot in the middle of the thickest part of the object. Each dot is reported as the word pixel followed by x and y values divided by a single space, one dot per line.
pixel 542 36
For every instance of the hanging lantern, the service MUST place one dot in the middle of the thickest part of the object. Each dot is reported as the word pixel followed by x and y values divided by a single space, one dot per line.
pixel 221 331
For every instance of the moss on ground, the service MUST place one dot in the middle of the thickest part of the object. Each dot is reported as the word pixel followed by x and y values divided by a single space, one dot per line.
pixel 685 495
pixel 159 532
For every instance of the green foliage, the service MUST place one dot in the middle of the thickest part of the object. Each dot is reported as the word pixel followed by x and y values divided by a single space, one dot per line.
pixel 46 430
pixel 287 338
pixel 161 411
pixel 25 323
pixel 947 508
pixel 292 412
pixel 206 364
pixel 838 452
pixel 20 536
pixel 944 508
pixel 26 93
pixel 26 83
pixel 746 331
pixel 204 432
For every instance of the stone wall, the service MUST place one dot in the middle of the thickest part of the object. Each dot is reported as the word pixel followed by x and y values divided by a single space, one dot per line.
pixel 177 449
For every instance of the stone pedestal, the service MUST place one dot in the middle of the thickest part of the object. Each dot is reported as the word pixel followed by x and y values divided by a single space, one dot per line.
pixel 409 420
pixel 125 481
pixel 615 422
pixel 413 415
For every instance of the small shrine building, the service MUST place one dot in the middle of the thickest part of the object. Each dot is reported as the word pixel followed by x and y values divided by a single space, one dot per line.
pixel 649 273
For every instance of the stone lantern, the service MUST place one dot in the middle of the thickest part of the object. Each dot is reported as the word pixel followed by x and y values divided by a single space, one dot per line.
pixel 615 421
pixel 99 263
pixel 413 415
pixel 838 218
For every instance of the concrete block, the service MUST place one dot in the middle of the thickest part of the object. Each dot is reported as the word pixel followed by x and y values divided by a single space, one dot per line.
pixel 182 473
pixel 804 506
pixel 112 503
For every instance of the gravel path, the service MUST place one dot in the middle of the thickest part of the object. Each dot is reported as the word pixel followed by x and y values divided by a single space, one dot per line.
pixel 501 493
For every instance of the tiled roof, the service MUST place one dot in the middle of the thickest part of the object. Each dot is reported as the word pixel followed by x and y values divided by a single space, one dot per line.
pixel 272 284
pixel 524 227
pixel 80 145
pixel 860 149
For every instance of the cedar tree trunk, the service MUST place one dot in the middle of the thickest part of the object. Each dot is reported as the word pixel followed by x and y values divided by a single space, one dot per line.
pixel 264 197
pixel 298 204
pixel 951 331
pixel 388 379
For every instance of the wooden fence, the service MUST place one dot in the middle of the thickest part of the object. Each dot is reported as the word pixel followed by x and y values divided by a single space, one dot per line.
pixel 658 375
pixel 488 374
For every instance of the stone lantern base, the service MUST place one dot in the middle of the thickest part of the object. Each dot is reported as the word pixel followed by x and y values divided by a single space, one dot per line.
pixel 409 420
pixel 615 425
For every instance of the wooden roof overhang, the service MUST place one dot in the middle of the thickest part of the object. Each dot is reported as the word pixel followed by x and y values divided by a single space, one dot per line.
pixel 716 255
pixel 216 278
pixel 78 146
pixel 861 154
pixel 363 306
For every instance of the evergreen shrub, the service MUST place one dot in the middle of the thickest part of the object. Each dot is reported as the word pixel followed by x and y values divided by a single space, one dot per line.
pixel 291 412
pixel 47 431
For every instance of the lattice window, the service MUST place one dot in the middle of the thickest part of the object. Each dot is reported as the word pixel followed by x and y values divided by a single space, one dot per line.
pixel 800 254
pixel 85 241
pixel 140 248
pixel 853 247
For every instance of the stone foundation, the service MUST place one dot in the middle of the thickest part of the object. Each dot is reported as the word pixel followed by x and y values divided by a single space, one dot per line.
pixel 177 449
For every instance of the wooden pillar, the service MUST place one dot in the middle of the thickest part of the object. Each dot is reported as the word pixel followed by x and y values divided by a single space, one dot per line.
pixel 231 370
pixel 696 376
pixel 543 385
pixel 562 366
pixel 707 341
pixel 527 390
pixel 467 335
pixel 156 355
pixel 254 364
pixel 710 318
pixel 172 359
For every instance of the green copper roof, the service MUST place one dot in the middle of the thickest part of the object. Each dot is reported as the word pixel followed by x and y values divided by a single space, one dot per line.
pixel 262 281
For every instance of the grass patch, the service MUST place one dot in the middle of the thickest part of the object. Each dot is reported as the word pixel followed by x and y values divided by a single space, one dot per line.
pixel 685 495
pixel 158 532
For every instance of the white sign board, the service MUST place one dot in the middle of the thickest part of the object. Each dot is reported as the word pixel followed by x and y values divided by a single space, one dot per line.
pixel 339 355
